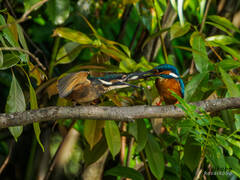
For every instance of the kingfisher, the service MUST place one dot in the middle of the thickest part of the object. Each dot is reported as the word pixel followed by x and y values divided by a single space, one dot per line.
pixel 82 87
pixel 170 80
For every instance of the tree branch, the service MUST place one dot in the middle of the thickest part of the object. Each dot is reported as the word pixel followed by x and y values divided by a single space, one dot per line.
pixel 110 113
pixel 25 15
pixel 24 51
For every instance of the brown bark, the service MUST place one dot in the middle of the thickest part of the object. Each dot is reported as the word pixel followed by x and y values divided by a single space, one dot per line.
pixel 129 113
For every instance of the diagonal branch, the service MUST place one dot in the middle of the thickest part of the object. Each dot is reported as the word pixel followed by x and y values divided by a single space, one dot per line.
pixel 110 113
pixel 24 51
pixel 25 15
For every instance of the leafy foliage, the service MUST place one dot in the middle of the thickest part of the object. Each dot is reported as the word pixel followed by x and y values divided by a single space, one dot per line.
pixel 124 36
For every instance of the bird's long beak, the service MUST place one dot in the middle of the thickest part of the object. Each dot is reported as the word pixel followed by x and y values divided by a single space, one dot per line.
pixel 139 75
pixel 124 84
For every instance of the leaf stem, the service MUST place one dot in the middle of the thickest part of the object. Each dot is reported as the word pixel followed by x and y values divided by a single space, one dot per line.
pixel 24 51
pixel 205 16
pixel 54 55
pixel 161 38
pixel 199 171
pixel 145 165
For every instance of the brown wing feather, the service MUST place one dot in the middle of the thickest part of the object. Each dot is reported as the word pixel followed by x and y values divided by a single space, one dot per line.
pixel 67 84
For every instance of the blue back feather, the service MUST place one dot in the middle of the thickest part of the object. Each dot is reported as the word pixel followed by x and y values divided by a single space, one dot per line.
pixel 107 77
pixel 168 67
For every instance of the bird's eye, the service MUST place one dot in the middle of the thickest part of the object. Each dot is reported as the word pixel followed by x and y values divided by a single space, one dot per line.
pixel 155 70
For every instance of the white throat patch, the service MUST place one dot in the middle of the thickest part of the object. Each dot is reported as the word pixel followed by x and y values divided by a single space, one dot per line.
pixel 174 75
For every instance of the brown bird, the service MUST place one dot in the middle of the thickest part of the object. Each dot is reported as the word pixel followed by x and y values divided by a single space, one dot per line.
pixel 82 87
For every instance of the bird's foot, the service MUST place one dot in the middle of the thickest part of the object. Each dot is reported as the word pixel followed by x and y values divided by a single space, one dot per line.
pixel 159 103
pixel 177 102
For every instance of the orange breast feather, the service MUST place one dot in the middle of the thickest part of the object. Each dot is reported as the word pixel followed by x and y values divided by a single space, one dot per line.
pixel 164 85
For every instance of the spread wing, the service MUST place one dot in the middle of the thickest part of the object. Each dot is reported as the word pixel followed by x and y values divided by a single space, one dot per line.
pixel 67 84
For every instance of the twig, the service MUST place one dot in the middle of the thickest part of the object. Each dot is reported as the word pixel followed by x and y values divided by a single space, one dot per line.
pixel 215 52
pixel 145 165
pixel 123 142
pixel 205 16
pixel 24 16
pixel 25 34
pixel 7 158
pixel 111 113
pixel 25 51
pixel 162 38
pixel 199 170
pixel 54 55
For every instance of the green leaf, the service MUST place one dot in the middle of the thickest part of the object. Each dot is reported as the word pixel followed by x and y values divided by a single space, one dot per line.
pixel 111 44
pixel 68 53
pixel 234 165
pixel 192 154
pixel 141 135
pixel 154 157
pixel 34 105
pixel 234 142
pixel 125 49
pixel 149 95
pixel 91 156
pixel 114 53
pixel 228 64
pixel 113 137
pixel 222 39
pixel 220 27
pixel 231 86
pixel 159 6
pixel 127 65
pixel 22 41
pixel 221 140
pixel 73 35
pixel 12 27
pixel 177 30
pixel 202 8
pixel 223 22
pixel 7 33
pixel 125 172
pixel 15 103
pixel 132 129
pixel 93 131
pixel 1 59
pixel 16 131
pixel 58 11
pixel 215 155
pixel 237 122
pixel 23 56
pixel 201 60
pixel 9 60
pixel 193 85
pixel 174 4
pixel 233 52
